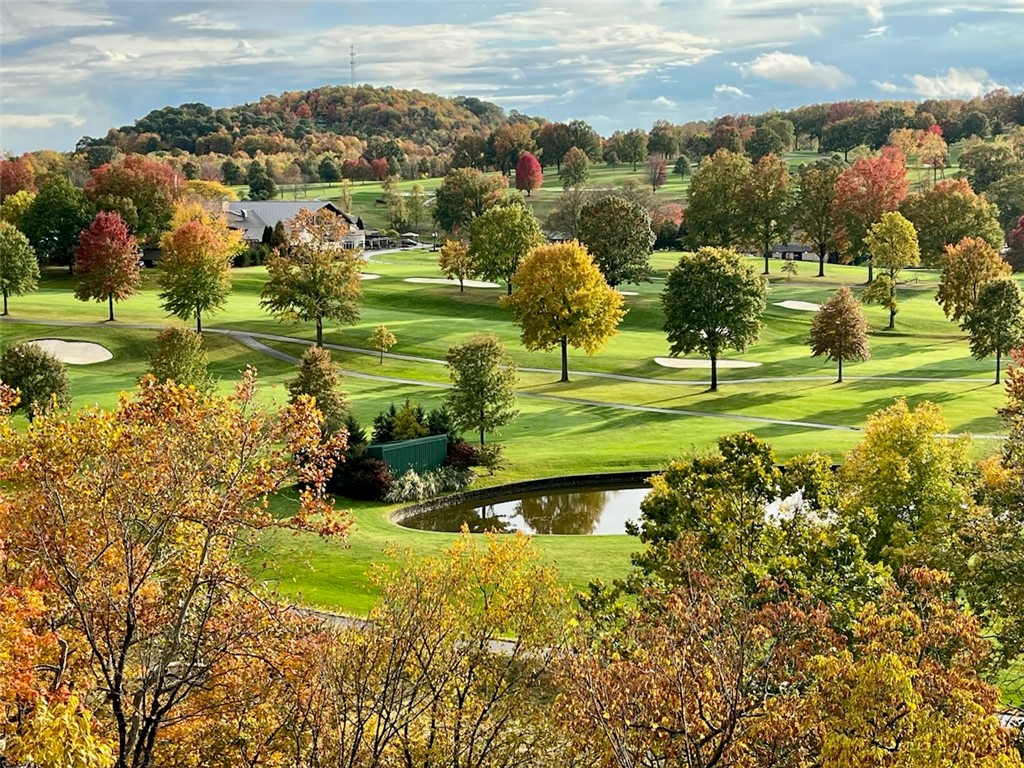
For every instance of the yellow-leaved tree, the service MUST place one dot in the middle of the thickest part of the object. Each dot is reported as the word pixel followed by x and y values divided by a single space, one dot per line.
pixel 561 299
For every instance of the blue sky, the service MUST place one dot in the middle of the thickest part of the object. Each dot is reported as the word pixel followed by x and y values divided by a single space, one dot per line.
pixel 69 69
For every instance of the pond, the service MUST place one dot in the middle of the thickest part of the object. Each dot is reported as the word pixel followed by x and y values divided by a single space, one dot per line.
pixel 574 511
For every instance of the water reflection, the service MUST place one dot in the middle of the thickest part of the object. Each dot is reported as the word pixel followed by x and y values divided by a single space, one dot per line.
pixel 593 511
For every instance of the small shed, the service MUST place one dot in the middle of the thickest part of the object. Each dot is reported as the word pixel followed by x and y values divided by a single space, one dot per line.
pixel 423 454
pixel 791 251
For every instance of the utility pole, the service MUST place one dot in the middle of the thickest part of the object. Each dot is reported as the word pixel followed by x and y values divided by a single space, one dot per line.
pixel 352 65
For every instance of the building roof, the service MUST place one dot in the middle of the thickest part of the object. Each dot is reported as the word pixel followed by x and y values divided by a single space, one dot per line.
pixel 253 216
pixel 792 248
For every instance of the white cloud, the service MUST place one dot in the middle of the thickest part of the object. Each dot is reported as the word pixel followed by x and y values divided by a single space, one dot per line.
pixel 955 84
pixel 875 12
pixel 661 101
pixel 39 121
pixel 796 70
pixel 885 86
pixel 877 31
pixel 731 90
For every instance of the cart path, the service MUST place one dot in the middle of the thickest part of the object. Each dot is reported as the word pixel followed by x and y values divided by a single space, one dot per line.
pixel 252 340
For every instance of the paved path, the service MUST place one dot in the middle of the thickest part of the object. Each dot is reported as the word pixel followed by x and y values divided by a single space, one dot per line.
pixel 252 340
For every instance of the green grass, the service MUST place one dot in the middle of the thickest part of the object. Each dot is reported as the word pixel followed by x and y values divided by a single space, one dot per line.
pixel 551 437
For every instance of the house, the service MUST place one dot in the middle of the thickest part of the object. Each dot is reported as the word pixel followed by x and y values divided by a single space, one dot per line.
pixel 252 217
pixel 795 251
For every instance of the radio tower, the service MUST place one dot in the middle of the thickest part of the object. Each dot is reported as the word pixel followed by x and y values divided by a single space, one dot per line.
pixel 352 64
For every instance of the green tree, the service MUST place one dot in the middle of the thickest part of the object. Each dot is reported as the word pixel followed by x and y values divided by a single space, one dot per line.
pixel 767 204
pixel 562 299
pixel 580 134
pixel 178 355
pixel 681 167
pixel 465 194
pixel 713 301
pixel 575 168
pixel 839 330
pixel 382 340
pixel 457 263
pixel 484 381
pixel 632 147
pixel 394 200
pixel 500 238
pixel 415 205
pixel 714 215
pixel 319 377
pixel 996 321
pixel 618 234
pixel 314 278
pixel 966 268
pixel 813 212
pixel 40 378
pixel 947 213
pixel 19 269
pixel 1008 196
pixel 764 142
pixel 892 242
pixel 107 261
pixel 54 220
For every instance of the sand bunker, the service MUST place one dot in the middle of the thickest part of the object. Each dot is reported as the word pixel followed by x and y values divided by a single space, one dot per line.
pixel 446 281
pixel 800 306
pixel 682 362
pixel 629 293
pixel 74 352
pixel 368 276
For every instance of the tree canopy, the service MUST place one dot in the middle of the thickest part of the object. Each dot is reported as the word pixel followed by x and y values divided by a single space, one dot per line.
pixel 484 381
pixel 617 233
pixel 19 268
pixel 839 330
pixel 500 238
pixel 107 261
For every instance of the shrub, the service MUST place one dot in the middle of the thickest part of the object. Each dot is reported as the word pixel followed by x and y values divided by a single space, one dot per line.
pixel 40 378
pixel 320 378
pixel 492 457
pixel 178 355
pixel 361 477
pixel 413 486
pixel 462 455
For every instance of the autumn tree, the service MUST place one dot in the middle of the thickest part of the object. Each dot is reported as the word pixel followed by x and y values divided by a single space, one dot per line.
pixel 618 234
pixel 813 211
pixel 382 340
pixel 507 142
pixel 654 170
pixel 500 238
pixel 19 268
pixel 529 174
pixel 996 321
pixel 484 381
pixel 966 268
pixel 456 262
pixel 713 301
pixel 178 355
pixel 564 218
pixel 16 175
pixel 574 169
pixel 40 378
pixel 562 299
pixel 141 190
pixel 864 191
pixel 315 277
pixel 134 517
pixel 107 261
pixel 912 478
pixel 839 330
pixel 465 194
pixel 947 213
pixel 13 208
pixel 55 219
pixel 892 242
pixel 319 378
pixel 195 271
pixel 714 215
pixel 1015 243
pixel 766 204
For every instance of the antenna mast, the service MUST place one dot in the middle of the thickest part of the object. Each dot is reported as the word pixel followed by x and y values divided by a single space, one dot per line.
pixel 352 64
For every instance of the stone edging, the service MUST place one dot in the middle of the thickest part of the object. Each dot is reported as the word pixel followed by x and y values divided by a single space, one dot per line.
pixel 634 479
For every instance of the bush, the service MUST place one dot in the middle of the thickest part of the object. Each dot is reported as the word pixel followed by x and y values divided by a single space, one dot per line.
pixel 40 378
pixel 178 355
pixel 492 457
pixel 413 486
pixel 461 455
pixel 361 477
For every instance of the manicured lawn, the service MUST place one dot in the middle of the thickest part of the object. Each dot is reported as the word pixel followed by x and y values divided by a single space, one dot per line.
pixel 552 437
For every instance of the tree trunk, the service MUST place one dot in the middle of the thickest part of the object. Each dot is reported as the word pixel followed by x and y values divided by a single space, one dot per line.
pixel 892 319
pixel 999 360
pixel 821 263
pixel 871 270
pixel 840 379
pixel 382 355
pixel 767 254
pixel 565 359
pixel 462 285
pixel 199 320
pixel 892 305
pixel 509 282
pixel 110 303
pixel 320 335
pixel 5 301
pixel 714 373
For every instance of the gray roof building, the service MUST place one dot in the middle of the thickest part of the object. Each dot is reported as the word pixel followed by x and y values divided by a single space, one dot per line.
pixel 251 217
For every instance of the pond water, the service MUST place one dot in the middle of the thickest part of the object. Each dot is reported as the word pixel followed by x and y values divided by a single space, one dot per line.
pixel 579 511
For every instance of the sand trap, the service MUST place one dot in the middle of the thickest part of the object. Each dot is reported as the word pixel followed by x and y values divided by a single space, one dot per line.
pixel 682 362
pixel 74 352
pixel 800 306
pixel 446 281
pixel 368 276
pixel 629 293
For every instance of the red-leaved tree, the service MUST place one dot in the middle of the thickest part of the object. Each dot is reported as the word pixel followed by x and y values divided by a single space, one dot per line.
pixel 15 175
pixel 143 191
pixel 107 261
pixel 529 175
pixel 1016 243
pixel 864 191
pixel 380 168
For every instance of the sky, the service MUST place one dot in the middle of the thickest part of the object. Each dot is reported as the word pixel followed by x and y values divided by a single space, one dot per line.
pixel 70 69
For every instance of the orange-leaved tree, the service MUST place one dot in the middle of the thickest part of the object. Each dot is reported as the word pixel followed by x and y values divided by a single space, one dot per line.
pixel 107 261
